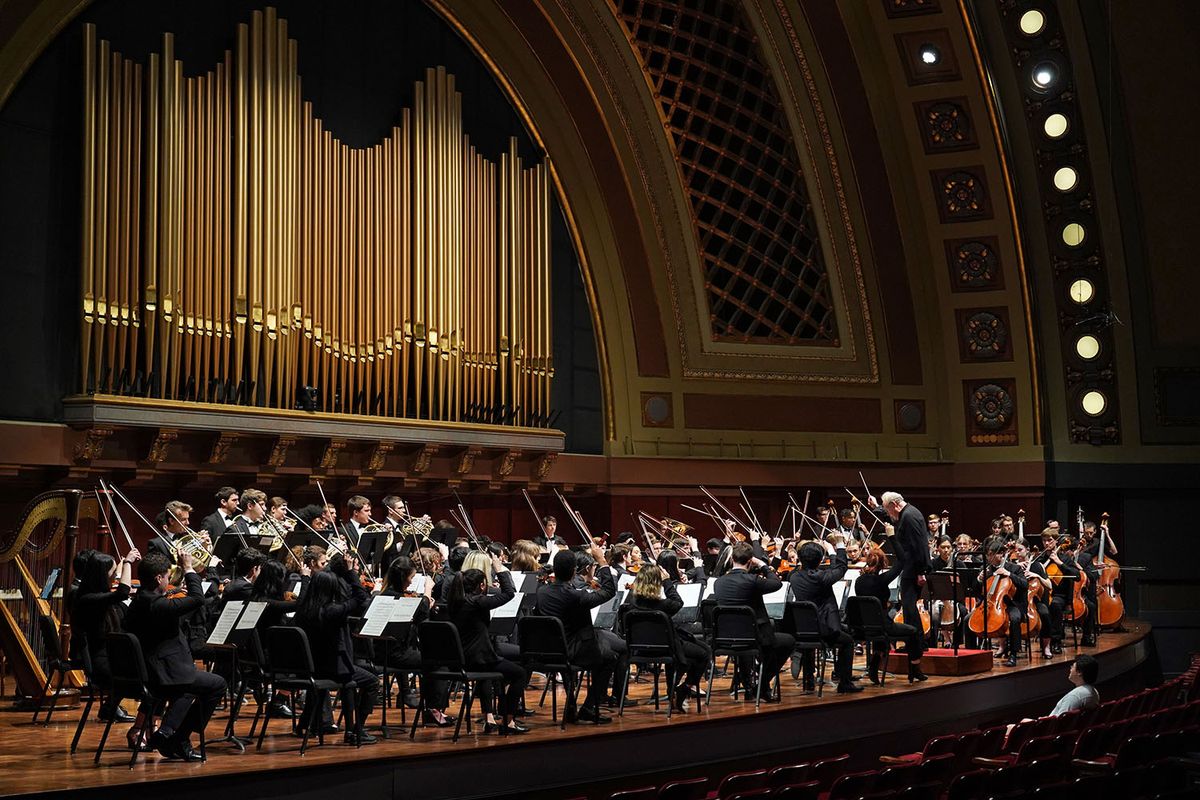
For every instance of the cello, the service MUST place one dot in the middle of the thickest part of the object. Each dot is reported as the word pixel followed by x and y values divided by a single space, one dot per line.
pixel 990 617
pixel 1110 607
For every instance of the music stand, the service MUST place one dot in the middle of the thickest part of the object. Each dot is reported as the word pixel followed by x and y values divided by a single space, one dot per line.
pixel 370 547
pixel 945 585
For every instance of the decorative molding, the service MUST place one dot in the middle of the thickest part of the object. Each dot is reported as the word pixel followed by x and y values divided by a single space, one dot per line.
pixel 543 465
pixel 991 412
pixel 379 454
pixel 279 450
pixel 910 416
pixel 329 456
pixel 158 448
pixel 466 460
pixel 92 446
pixel 910 8
pixel 506 463
pixel 422 459
pixel 657 410
pixel 917 71
pixel 974 264
pixel 961 194
pixel 221 446
pixel 945 125
pixel 983 334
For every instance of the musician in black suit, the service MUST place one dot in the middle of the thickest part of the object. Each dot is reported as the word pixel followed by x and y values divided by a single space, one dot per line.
pixel 747 581
pixel 995 549
pixel 217 522
pixel 1062 594
pixel 911 542
pixel 470 608
pixel 813 584
pixel 332 597
pixel 548 534
pixel 247 566
pixel 155 620
pixel 585 646
pixel 360 517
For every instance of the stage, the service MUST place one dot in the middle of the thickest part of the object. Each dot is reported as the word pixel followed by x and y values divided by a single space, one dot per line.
pixel 581 761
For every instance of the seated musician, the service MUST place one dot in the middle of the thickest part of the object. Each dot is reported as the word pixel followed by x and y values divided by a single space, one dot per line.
pixel 943 561
pixel 269 586
pixel 549 534
pixel 98 609
pixel 174 521
pixel 246 568
pixel 1086 560
pixel 599 651
pixel 247 525
pixel 470 608
pixel 156 620
pixel 332 597
pixel 1035 575
pixel 997 565
pixel 654 590
pixel 216 523
pixel 525 556
pixel 618 560
pixel 812 584
pixel 405 652
pixel 1061 593
pixel 748 579
pixel 875 580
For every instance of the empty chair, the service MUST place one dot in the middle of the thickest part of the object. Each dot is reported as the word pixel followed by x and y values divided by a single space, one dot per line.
pixel 970 784
pixel 853 785
pixel 810 790
pixel 644 793
pixel 742 782
pixel 692 789
pixel 828 770
pixel 788 775
pixel 896 778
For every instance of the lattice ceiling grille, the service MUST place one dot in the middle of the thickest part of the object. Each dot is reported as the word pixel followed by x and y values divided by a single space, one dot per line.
pixel 764 273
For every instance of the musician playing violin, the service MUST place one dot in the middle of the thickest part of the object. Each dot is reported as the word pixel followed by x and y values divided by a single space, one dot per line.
pixel 997 565
pixel 156 620
pixel 97 609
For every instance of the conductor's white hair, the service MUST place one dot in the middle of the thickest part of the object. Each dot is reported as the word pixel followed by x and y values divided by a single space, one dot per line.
pixel 891 497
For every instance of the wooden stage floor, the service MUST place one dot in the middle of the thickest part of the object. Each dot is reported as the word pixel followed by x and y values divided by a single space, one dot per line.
pixel 34 759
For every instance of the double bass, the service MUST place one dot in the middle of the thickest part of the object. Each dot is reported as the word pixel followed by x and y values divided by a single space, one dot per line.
pixel 1110 607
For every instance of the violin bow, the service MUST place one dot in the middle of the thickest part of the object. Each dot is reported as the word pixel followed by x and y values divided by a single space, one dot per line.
pixel 108 524
pixel 533 510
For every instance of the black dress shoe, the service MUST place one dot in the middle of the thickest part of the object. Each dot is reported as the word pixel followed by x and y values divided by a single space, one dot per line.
pixel 188 753
pixel 281 709
pixel 429 719
pixel 845 687
pixel 120 715
pixel 615 702
pixel 915 675
pixel 164 744
pixel 593 715
pixel 512 729
pixel 1011 661
pixel 359 738
pixel 526 712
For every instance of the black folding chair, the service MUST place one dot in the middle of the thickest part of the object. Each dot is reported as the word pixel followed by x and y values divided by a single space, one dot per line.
pixel 57 667
pixel 805 627
pixel 652 642
pixel 735 634
pixel 867 623
pixel 544 648
pixel 131 682
pixel 442 659
pixel 290 666
pixel 84 662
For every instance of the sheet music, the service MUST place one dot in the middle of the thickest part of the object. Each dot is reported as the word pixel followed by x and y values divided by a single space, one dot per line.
pixel 229 617
pixel 689 593
pixel 509 609
pixel 205 586
pixel 296 589
pixel 418 583
pixel 378 615
pixel 709 586
pixel 776 601
pixel 404 610
pixel 254 610
pixel 625 581
pixel 608 608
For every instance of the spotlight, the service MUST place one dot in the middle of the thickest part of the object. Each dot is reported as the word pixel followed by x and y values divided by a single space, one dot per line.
pixel 929 54
pixel 1044 75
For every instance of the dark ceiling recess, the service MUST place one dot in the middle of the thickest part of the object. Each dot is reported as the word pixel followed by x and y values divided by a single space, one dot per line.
pixel 764 273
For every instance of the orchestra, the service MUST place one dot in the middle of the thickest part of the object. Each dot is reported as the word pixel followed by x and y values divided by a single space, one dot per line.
pixel 307 571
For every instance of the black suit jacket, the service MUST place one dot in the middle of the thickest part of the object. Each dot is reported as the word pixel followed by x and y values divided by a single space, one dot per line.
pixel 742 588
pixel 574 608
pixel 214 524
pixel 237 590
pixel 472 619
pixel 816 586
pixel 912 543
pixel 156 620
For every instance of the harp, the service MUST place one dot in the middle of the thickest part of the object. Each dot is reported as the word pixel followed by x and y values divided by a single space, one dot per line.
pixel 43 540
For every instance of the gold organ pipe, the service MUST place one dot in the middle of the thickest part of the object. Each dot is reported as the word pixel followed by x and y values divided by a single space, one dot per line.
pixel 240 202
pixel 124 209
pixel 175 219
pixel 404 333
pixel 113 217
pixel 256 134
pixel 88 236
pixel 100 284
pixel 227 171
